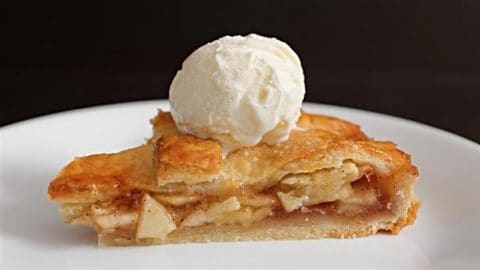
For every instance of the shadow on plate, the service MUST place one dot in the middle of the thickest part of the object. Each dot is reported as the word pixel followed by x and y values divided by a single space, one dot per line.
pixel 28 216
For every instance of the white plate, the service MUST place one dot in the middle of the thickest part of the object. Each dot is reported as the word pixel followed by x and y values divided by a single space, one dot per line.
pixel 446 233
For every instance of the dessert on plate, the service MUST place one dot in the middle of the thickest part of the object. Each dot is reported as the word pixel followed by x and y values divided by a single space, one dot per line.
pixel 237 159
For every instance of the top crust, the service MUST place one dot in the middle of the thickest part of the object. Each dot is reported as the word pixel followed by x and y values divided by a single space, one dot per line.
pixel 187 159
pixel 339 127
pixel 103 177
pixel 190 160
pixel 173 158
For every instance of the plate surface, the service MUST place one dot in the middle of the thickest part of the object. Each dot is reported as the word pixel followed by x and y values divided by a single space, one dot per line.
pixel 445 235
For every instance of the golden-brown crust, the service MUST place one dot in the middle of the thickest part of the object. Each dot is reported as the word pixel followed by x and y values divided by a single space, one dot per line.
pixel 107 175
pixel 186 159
pixel 331 124
pixel 317 134
pixel 103 177
pixel 396 227
pixel 163 125
pixel 305 151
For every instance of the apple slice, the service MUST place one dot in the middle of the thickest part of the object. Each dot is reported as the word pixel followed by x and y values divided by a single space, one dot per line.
pixel 155 221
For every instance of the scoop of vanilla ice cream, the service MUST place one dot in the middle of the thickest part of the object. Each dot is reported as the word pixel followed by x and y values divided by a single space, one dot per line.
pixel 239 90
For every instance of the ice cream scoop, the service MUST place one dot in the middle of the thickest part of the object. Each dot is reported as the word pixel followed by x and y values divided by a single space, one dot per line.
pixel 239 90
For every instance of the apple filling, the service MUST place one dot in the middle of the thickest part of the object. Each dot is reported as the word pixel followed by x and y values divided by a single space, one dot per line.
pixel 345 190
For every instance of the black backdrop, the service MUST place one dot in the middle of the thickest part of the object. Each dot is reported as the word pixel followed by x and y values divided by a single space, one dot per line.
pixel 411 58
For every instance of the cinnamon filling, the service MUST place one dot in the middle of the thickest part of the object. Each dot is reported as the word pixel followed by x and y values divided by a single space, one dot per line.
pixel 346 191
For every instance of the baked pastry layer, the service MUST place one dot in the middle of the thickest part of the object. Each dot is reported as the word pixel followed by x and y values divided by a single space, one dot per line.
pixel 327 180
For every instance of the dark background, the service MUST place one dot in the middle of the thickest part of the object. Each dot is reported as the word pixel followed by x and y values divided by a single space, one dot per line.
pixel 415 59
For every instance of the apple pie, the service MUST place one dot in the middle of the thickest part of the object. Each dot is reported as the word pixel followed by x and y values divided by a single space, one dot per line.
pixel 327 180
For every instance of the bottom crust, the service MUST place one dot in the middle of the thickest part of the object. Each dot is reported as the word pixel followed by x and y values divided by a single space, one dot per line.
pixel 296 227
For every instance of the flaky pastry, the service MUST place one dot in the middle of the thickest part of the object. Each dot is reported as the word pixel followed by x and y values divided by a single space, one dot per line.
pixel 327 180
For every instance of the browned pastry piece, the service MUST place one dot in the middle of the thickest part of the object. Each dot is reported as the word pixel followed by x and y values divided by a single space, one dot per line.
pixel 327 180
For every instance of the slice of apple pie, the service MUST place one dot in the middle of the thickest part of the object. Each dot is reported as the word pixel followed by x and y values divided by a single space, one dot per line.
pixel 327 180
